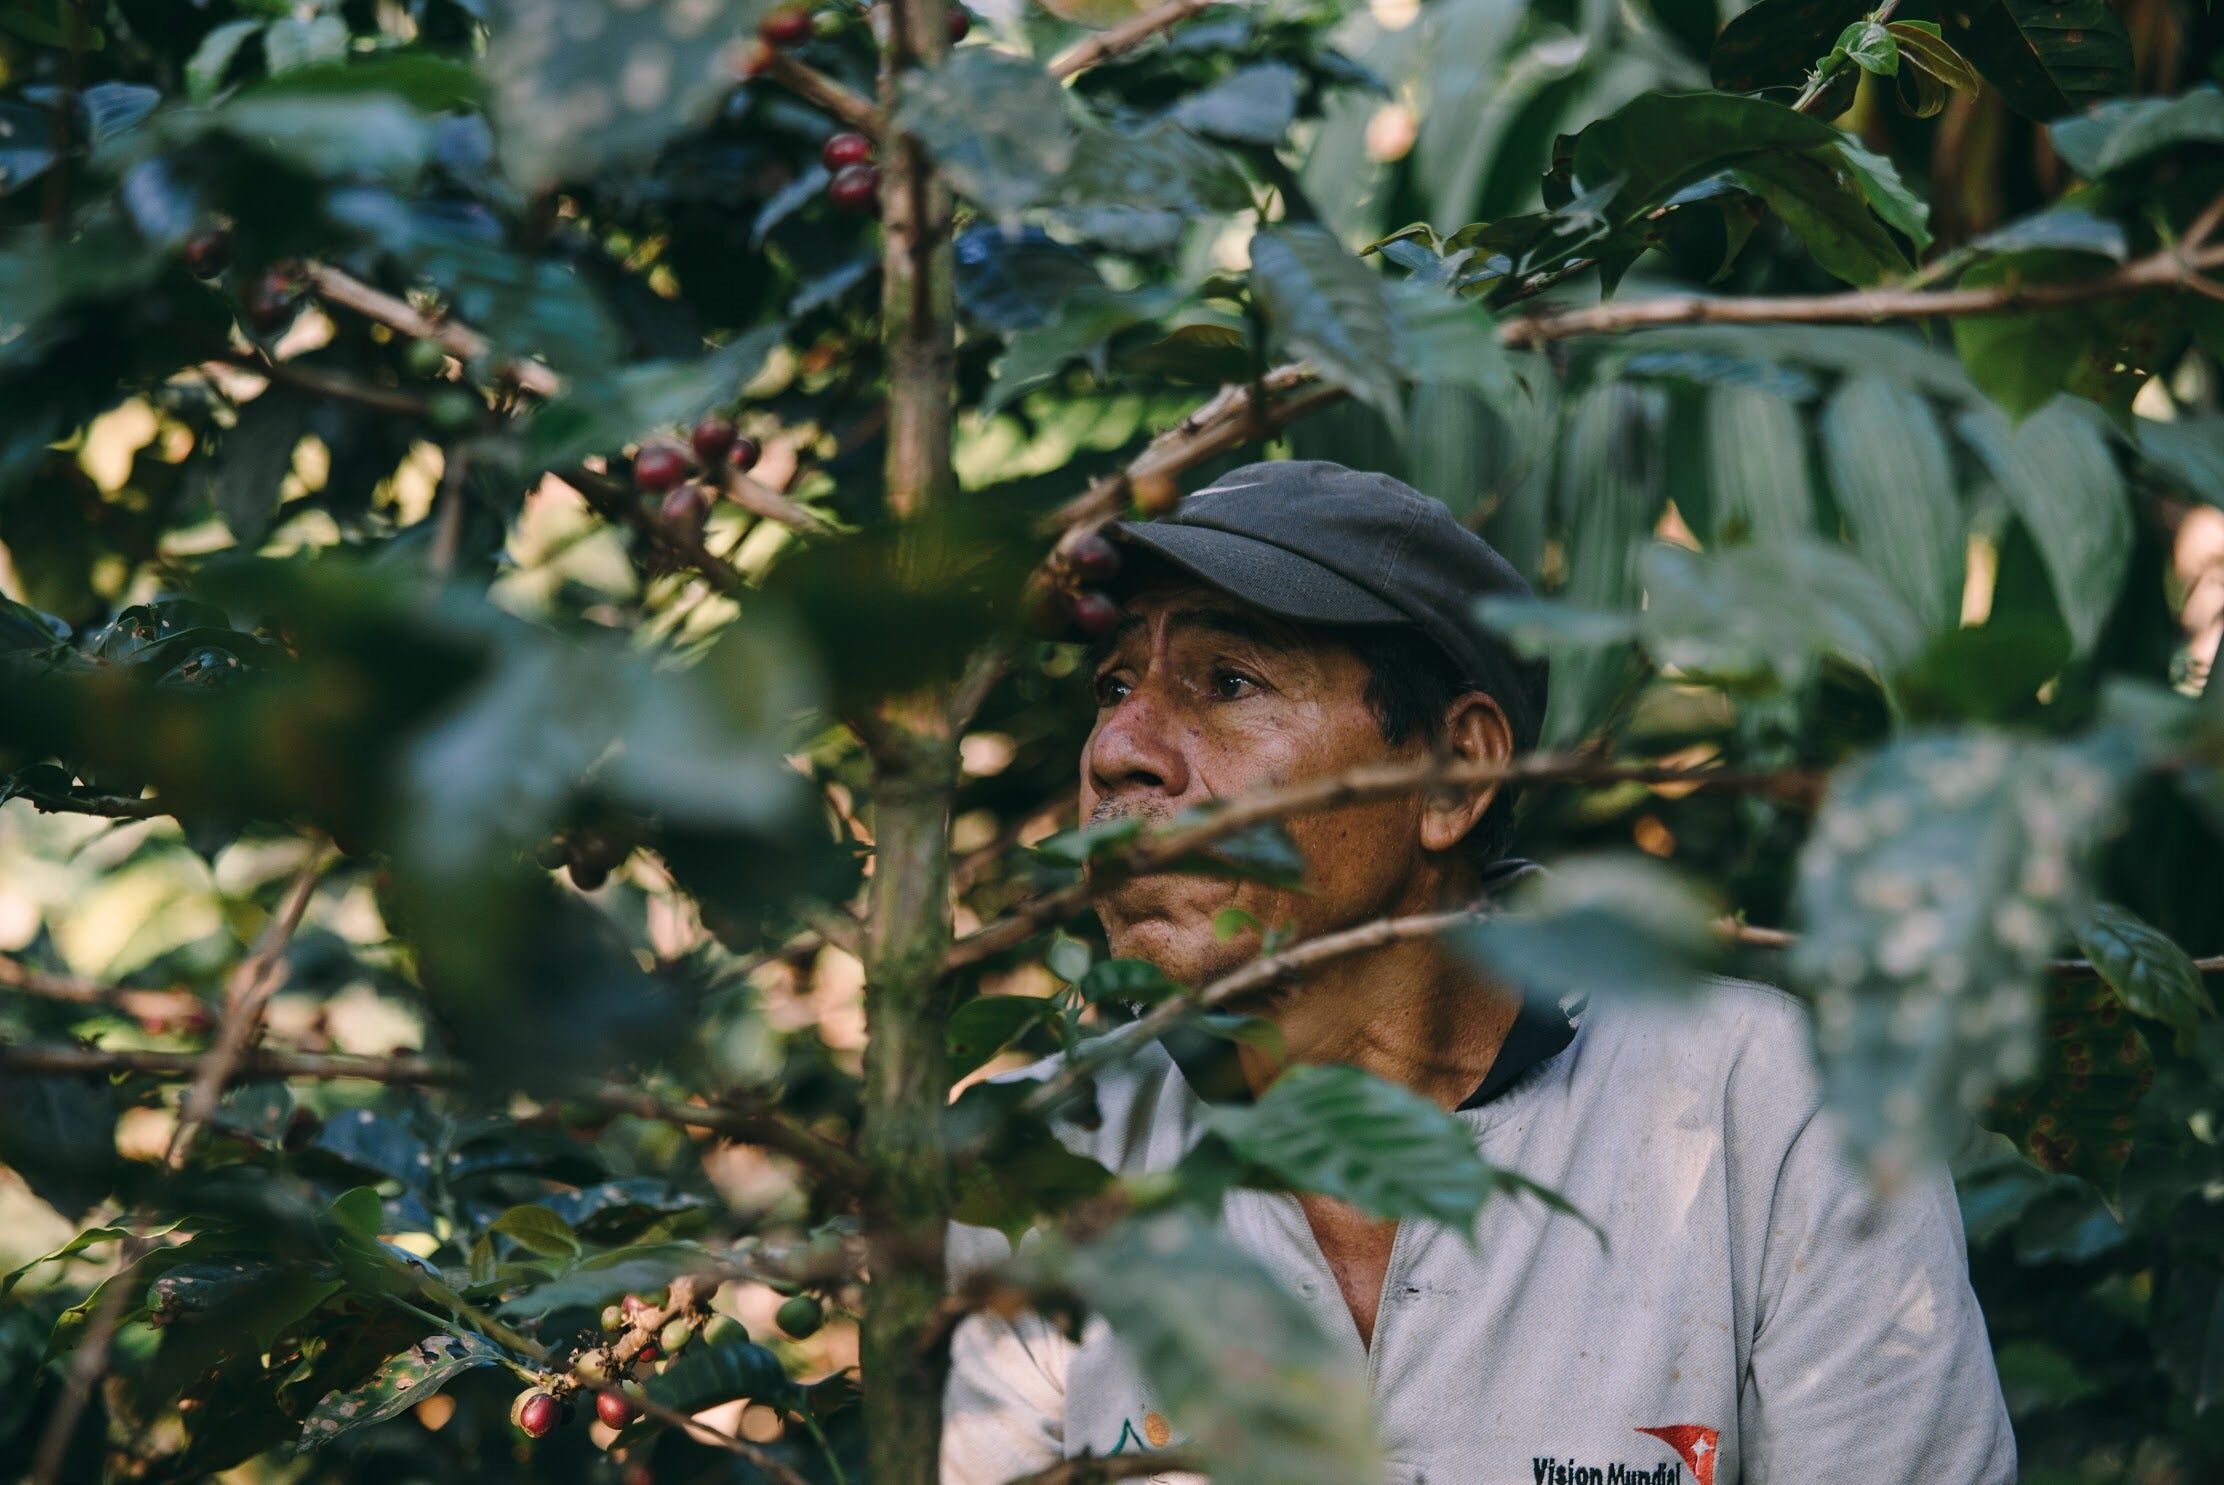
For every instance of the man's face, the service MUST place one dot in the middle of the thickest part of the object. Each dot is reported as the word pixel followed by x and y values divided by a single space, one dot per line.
pixel 1200 697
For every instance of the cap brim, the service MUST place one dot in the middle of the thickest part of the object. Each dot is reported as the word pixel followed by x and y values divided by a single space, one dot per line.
pixel 1261 574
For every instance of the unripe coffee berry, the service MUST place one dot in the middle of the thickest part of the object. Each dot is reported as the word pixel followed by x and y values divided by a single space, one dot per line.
pixel 659 468
pixel 425 358
pixel 789 27
pixel 535 1413
pixel 846 148
pixel 713 439
pixel 831 22
pixel 676 1334
pixel 854 188
pixel 1094 613
pixel 613 1409
pixel 724 1329
pixel 801 1316
pixel 613 1318
pixel 452 408
pixel 208 254
pixel 1094 557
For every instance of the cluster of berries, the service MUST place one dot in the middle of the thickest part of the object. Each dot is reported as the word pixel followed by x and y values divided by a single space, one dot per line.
pixel 1058 610
pixel 589 855
pixel 661 470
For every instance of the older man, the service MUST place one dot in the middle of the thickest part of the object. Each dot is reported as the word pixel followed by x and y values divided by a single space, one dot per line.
pixel 1754 1315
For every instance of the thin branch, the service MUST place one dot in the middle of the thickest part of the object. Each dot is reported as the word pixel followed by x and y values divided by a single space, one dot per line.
pixel 252 983
pixel 146 1003
pixel 2065 969
pixel 1089 1471
pixel 458 340
pixel 760 499
pixel 1159 849
pixel 448 533
pixel 824 93
pixel 1095 51
pixel 332 384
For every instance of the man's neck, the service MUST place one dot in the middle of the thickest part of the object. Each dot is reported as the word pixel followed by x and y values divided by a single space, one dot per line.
pixel 1413 1013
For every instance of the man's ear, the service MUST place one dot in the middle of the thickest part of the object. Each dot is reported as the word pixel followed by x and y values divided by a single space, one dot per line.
pixel 1475 731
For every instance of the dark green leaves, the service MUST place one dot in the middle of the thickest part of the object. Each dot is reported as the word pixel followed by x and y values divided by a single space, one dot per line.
pixel 407 1379
pixel 2094 1067
pixel 1326 306
pixel 2149 973
pixel 1894 481
pixel 996 125
pixel 1348 1134
pixel 1775 43
pixel 2114 136
pixel 1599 925
pixel 1253 106
pixel 2058 475
pixel 2045 56
pixel 1937 880
pixel 1764 614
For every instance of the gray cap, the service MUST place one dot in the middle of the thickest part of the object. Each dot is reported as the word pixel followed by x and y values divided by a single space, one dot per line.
pixel 1313 541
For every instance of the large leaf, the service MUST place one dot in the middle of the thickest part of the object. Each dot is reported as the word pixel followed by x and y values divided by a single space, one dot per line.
pixel 1345 1133
pixel 1328 307
pixel 2149 973
pixel 580 84
pixel 2110 136
pixel 996 125
pixel 1253 106
pixel 1776 43
pixel 2045 56
pixel 1249 1379
pixel 1940 874
pixel 1764 614
pixel 2189 453
pixel 407 1379
pixel 2058 475
pixel 1599 925
pixel 2094 1067
pixel 1894 482
pixel 1757 465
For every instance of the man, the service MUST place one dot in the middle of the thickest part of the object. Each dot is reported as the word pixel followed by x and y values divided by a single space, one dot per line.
pixel 1754 1315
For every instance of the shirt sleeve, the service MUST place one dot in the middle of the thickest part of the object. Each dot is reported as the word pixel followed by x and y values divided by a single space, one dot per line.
pixel 1870 1359
pixel 1003 1411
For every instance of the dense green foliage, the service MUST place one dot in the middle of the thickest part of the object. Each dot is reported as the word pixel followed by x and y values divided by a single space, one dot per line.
pixel 369 646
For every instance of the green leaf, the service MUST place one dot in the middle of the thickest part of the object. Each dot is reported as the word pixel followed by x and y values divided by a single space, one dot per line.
pixel 1235 1360
pixel 2022 360
pixel 254 460
pixel 76 1245
pixel 292 42
pixel 2189 453
pixel 1763 614
pixel 1138 192
pixel 1447 341
pixel 1888 196
pixel 1894 482
pixel 2110 136
pixel 1326 306
pixel 600 1280
pixel 2150 974
pixel 1253 106
pixel 2094 1067
pixel 1830 219
pixel 575 85
pixel 369 136
pixel 2061 228
pixel 406 1379
pixel 1775 43
pixel 995 124
pixel 1129 981
pixel 1922 45
pixel 1870 47
pixel 1940 874
pixel 538 1230
pixel 1345 1133
pixel 2058 475
pixel 987 1024
pixel 705 1376
pixel 2045 56
pixel 1757 466
pixel 205 69
pixel 1013 1170
pixel 1600 925
pixel 1659 143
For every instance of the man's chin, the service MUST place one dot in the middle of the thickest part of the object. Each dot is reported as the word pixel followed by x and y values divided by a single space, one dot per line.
pixel 1181 944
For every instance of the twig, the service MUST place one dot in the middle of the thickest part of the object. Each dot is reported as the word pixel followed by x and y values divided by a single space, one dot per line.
pixel 252 983
pixel 143 1002
pixel 458 340
pixel 760 499
pixel 2066 969
pixel 1812 93
pixel 449 532
pixel 1094 51
pixel 824 93
pixel 333 384
pixel 1088 1471
pixel 1160 849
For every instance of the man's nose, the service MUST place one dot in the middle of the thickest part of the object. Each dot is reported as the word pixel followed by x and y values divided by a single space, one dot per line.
pixel 1139 748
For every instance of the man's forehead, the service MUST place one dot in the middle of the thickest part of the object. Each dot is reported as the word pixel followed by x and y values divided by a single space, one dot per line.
pixel 1180 603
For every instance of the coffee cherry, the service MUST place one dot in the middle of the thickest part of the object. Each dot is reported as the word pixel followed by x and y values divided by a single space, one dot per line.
pixel 846 148
pixel 1154 493
pixel 613 1409
pixel 854 188
pixel 745 453
pixel 550 854
pixel 675 1335
pixel 724 1329
pixel 784 28
pixel 1094 613
pixel 713 440
pixel 613 1318
pixel 588 878
pixel 302 1129
pixel 270 302
pixel 630 1306
pixel 659 468
pixel 425 358
pixel 208 254
pixel 801 1316
pixel 961 24
pixel 453 408
pixel 536 1413
pixel 828 23
pixel 1094 557
pixel 646 1354
pixel 686 507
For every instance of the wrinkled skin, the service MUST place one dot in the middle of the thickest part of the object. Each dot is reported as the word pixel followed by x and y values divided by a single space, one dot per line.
pixel 1200 697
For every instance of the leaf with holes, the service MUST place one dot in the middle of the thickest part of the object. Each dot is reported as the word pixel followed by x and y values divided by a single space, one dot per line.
pixel 2076 1116
pixel 407 1379
pixel 2045 56
pixel 2149 973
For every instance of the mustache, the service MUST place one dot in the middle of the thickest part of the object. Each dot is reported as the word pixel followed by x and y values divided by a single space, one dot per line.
pixel 1109 811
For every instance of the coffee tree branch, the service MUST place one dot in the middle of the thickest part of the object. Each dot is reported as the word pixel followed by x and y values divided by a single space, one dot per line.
pixel 824 93
pixel 1095 51
pixel 459 340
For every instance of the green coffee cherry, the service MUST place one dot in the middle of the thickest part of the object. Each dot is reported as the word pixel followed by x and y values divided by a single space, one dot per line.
pixel 676 1333
pixel 801 1316
pixel 724 1330
pixel 452 408
pixel 425 358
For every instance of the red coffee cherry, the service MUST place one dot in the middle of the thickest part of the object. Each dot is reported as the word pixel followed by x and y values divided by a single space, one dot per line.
pixel 745 453
pixel 535 1413
pixel 855 188
pixel 961 24
pixel 1094 557
pixel 784 28
pixel 659 468
pixel 846 148
pixel 686 507
pixel 271 302
pixel 613 1409
pixel 713 439
pixel 208 254
pixel 1094 613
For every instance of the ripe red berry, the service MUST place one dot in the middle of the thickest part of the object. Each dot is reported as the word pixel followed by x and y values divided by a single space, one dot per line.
pixel 1094 557
pixel 961 24
pixel 270 303
pixel 789 27
pixel 1094 613
pixel 536 1414
pixel 686 507
pixel 587 877
pixel 613 1409
pixel 630 1306
pixel 209 253
pixel 659 468
pixel 713 439
pixel 846 148
pixel 745 453
pixel 854 188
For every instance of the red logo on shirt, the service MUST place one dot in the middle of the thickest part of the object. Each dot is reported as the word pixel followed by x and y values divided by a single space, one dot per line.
pixel 1693 1441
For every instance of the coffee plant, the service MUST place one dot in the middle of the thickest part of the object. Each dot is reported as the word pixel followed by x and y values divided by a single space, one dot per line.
pixel 542 542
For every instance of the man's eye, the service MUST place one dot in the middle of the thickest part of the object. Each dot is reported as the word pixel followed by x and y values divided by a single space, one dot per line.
pixel 1228 685
pixel 1111 690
